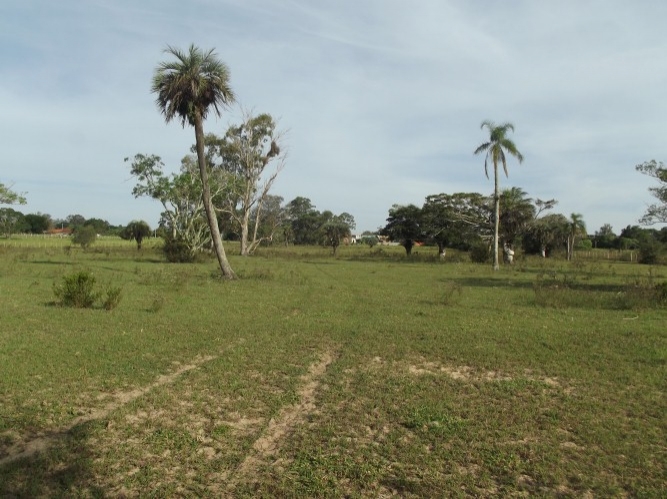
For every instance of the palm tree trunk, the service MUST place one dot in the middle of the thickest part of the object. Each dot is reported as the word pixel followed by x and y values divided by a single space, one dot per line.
pixel 496 216
pixel 225 268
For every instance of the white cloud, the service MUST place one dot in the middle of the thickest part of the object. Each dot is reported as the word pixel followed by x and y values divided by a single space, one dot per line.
pixel 383 99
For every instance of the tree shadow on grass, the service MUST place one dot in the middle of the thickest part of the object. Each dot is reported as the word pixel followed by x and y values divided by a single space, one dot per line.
pixel 500 282
pixel 490 282
pixel 60 468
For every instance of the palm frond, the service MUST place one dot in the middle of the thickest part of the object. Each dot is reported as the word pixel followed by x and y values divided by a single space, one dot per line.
pixel 191 85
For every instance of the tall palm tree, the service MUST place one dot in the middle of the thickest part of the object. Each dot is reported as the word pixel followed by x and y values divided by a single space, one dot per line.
pixel 576 228
pixel 187 88
pixel 495 149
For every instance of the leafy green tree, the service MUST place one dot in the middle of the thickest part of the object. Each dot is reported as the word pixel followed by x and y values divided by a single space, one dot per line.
pixel 38 223
pixel 369 239
pixel 604 237
pixel 101 227
pixel 8 196
pixel 84 236
pixel 404 225
pixel 188 88
pixel 336 229
pixel 517 212
pixel 75 221
pixel 181 197
pixel 546 234
pixel 455 220
pixel 303 221
pixel 576 230
pixel 655 213
pixel 11 222
pixel 136 230
pixel 495 149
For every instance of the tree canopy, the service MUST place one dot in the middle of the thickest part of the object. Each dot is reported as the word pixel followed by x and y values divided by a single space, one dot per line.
pixel 404 225
pixel 8 196
pixel 655 213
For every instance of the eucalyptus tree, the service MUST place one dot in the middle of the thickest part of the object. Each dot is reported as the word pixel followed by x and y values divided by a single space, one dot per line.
pixel 8 196
pixel 180 194
pixel 11 222
pixel 251 155
pixel 270 220
pixel 495 149
pixel 655 213
pixel 187 88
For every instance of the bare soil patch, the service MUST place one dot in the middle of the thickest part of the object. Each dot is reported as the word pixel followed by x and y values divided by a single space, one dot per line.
pixel 28 445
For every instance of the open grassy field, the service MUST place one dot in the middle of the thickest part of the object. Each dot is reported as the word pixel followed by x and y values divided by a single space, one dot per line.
pixel 367 375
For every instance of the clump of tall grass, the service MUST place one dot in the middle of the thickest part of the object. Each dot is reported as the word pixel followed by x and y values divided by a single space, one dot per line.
pixel 78 291
pixel 555 290
pixel 642 293
pixel 450 293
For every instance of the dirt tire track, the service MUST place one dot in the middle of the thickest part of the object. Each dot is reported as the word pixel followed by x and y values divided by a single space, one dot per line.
pixel 267 444
pixel 43 441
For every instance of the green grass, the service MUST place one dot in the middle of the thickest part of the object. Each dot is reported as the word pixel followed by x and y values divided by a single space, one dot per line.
pixel 444 379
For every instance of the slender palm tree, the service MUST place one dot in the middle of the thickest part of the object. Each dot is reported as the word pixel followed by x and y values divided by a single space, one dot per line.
pixel 495 149
pixel 575 228
pixel 187 88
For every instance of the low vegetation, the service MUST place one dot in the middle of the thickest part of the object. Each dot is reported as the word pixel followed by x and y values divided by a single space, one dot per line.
pixel 366 375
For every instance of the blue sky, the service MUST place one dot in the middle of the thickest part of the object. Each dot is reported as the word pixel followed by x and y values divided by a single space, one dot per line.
pixel 382 100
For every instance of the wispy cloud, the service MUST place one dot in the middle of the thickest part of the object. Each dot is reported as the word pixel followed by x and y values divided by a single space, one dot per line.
pixel 383 99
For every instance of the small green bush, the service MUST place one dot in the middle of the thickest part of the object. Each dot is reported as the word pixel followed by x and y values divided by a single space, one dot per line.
pixel 177 251
pixel 77 290
pixel 649 251
pixel 479 253
pixel 112 298
pixel 84 236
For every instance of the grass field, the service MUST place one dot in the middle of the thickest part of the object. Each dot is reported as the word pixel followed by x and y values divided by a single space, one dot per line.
pixel 367 375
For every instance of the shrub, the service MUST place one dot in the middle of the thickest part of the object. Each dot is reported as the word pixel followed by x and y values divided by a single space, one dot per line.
pixel 77 290
pixel 661 293
pixel 649 251
pixel 84 236
pixel 177 250
pixel 479 253
pixel 370 240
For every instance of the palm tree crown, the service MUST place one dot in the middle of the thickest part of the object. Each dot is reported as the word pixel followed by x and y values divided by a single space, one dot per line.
pixel 497 145
pixel 191 85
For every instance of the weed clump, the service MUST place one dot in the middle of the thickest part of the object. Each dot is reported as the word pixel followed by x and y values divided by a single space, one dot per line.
pixel 78 291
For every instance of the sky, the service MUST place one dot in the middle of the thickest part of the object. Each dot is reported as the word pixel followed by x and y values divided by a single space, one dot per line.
pixel 381 101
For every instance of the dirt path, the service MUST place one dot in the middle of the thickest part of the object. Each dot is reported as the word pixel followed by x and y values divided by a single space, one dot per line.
pixel 40 442
pixel 267 445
